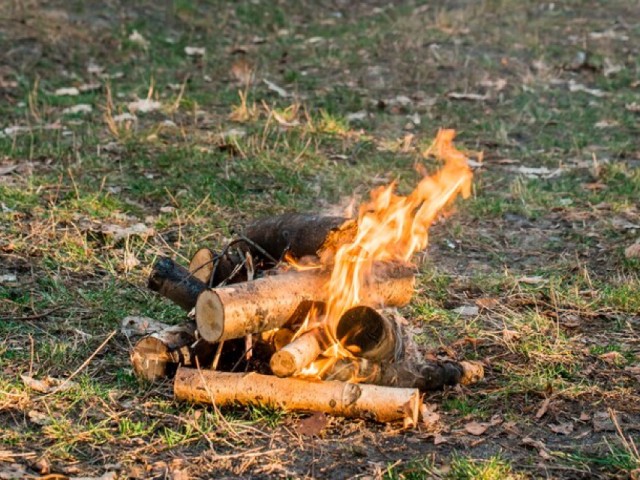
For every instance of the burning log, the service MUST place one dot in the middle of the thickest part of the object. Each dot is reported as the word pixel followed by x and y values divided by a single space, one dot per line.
pixel 158 355
pixel 173 281
pixel 270 302
pixel 361 330
pixel 427 376
pixel 382 404
pixel 292 358
pixel 297 233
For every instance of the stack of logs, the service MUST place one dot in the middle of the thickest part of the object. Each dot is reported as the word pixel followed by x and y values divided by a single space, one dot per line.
pixel 247 345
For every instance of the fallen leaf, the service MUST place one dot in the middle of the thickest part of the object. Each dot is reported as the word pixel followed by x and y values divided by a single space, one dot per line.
pixel 578 87
pixel 531 280
pixel 430 418
pixel 488 303
pixel 125 117
pixel 510 335
pixel 438 439
pixel 80 108
pixel 476 97
pixel 275 88
pixel 476 428
pixel 632 251
pixel 312 425
pixel 606 124
pixel 137 38
pixel 38 418
pixel 6 169
pixel 467 310
pixel 195 51
pixel 543 408
pixel 584 417
pixel 633 107
pixel 119 233
pixel 242 71
pixel 612 357
pixel 48 384
pixel 602 422
pixel 562 428
pixel 145 105
pixel 357 116
pixel 8 278
pixel 67 92
pixel 537 444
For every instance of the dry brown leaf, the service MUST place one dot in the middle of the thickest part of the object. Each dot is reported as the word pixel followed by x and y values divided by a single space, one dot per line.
pixel 562 428
pixel 537 444
pixel 584 417
pixel 312 425
pixel 48 384
pixel 438 439
pixel 632 251
pixel 476 428
pixel 242 71
pixel 487 303
pixel 543 408
pixel 612 357
pixel 430 418
pixel 602 422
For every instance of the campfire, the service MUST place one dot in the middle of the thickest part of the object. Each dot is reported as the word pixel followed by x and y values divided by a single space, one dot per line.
pixel 300 311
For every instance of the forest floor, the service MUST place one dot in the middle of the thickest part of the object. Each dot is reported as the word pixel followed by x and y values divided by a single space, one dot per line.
pixel 339 97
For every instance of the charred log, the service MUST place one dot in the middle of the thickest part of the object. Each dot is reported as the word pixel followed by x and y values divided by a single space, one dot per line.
pixel 173 281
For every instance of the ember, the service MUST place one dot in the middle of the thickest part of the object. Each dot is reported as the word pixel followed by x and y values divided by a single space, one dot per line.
pixel 308 296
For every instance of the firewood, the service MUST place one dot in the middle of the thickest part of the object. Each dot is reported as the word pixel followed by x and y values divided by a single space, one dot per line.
pixel 361 330
pixel 158 355
pixel 270 302
pixel 213 268
pixel 427 376
pixel 297 233
pixel 292 358
pixel 382 404
pixel 173 281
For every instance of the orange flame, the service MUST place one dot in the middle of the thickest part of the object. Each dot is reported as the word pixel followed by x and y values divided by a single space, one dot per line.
pixel 391 227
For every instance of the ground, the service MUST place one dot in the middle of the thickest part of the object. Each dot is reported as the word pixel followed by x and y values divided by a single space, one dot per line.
pixel 304 106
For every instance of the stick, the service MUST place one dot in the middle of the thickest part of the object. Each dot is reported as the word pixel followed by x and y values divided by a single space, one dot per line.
pixel 292 358
pixel 374 402
pixel 173 281
pixel 270 302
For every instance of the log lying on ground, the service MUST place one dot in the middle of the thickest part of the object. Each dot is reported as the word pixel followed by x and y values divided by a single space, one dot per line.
pixel 382 404
pixel 173 281
pixel 270 302
pixel 158 355
pixel 298 233
pixel 361 330
pixel 427 376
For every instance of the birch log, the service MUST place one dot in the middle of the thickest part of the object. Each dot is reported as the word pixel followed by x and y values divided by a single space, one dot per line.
pixel 382 404
pixel 270 302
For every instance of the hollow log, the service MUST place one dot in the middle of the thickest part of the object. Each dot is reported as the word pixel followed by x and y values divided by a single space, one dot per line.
pixel 270 302
pixel 158 355
pixel 173 281
pixel 361 330
pixel 297 233
pixel 382 404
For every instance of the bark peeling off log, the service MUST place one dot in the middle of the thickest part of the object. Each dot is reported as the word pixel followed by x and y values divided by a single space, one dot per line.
pixel 270 302
pixel 382 404
pixel 300 234
pixel 173 281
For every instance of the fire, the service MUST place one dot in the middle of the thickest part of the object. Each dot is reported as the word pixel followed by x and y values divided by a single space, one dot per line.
pixel 391 228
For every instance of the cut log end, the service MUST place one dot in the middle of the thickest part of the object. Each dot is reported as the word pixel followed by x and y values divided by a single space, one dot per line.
pixel 210 316
pixel 201 266
pixel 472 372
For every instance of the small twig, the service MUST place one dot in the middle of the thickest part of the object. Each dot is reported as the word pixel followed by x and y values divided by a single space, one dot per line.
pixel 36 316
pixel 216 358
